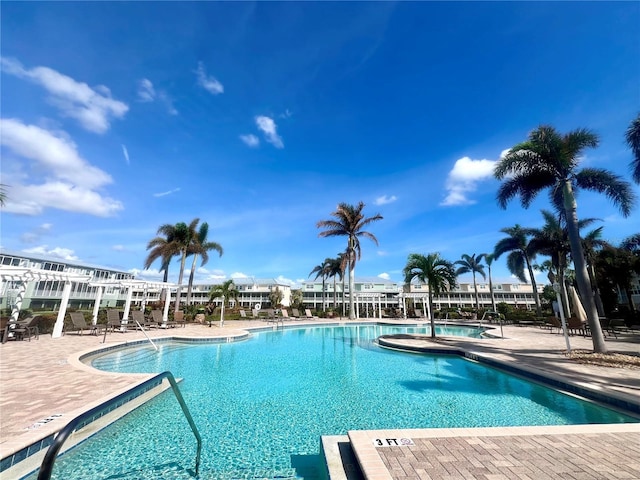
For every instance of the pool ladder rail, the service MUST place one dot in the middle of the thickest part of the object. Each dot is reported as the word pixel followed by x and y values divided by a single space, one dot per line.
pixel 46 467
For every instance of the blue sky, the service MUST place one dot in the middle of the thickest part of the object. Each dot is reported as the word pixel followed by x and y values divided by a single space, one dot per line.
pixel 259 118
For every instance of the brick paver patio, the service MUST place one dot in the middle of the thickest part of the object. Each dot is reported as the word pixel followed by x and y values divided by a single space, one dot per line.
pixel 43 377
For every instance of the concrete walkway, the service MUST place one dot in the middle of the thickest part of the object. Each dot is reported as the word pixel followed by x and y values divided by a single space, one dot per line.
pixel 43 386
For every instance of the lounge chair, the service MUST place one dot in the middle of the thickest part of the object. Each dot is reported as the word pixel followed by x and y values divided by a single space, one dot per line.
pixel 30 324
pixel 156 315
pixel 295 313
pixel 243 314
pixel 285 314
pixel 574 324
pixel 114 322
pixel 178 318
pixel 138 318
pixel 80 324
pixel 18 330
pixel 553 322
pixel 308 314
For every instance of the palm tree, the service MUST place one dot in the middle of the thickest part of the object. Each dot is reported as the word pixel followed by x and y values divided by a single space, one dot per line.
pixel 227 291
pixel 488 259
pixel 439 274
pixel 335 270
pixel 522 253
pixel 165 248
pixel 619 264
pixel 549 160
pixel 473 265
pixel 349 222
pixel 633 140
pixel 200 246
pixel 183 237
pixel 322 270
pixel 3 194
pixel 591 243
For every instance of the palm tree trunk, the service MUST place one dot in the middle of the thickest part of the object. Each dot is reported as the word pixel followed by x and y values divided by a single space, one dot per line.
pixel 475 289
pixel 191 275
pixel 536 297
pixel 178 290
pixel 582 277
pixel 595 290
pixel 343 303
pixel 493 297
pixel 323 294
pixel 352 282
pixel 334 292
pixel 433 322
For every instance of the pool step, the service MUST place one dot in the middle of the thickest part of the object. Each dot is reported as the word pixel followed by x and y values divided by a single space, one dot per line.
pixel 340 460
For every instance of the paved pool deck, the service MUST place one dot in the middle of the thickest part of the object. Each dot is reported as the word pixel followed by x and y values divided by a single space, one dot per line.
pixel 43 378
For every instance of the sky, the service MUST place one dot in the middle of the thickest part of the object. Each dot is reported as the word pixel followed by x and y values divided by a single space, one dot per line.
pixel 259 118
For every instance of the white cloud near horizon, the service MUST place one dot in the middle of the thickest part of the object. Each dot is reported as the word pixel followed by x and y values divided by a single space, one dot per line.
pixel 92 108
pixel 208 82
pixel 386 276
pixel 463 179
pixel 69 182
pixel 268 127
pixel 385 199
pixel 250 140
pixel 58 252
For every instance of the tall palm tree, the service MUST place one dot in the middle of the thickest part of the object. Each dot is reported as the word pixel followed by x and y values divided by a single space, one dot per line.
pixel 471 264
pixel 343 268
pixel 619 264
pixel 349 222
pixel 183 237
pixel 3 194
pixel 323 271
pixel 165 248
pixel 335 270
pixel 200 246
pixel 549 160
pixel 633 140
pixel 439 274
pixel 591 243
pixel 488 259
pixel 522 252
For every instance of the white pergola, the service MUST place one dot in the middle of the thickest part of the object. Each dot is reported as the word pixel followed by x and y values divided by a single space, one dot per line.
pixel 23 276
pixel 424 297
pixel 366 297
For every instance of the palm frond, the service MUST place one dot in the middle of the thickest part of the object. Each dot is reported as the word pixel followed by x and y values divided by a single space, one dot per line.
pixel 617 190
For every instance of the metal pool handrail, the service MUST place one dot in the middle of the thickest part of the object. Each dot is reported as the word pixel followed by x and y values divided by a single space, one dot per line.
pixel 47 464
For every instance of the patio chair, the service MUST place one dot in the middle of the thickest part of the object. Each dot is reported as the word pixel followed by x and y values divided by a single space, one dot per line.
pixel 30 324
pixel 553 322
pixel 80 324
pixel 114 322
pixel 308 314
pixel 243 314
pixel 295 313
pixel 138 318
pixel 178 318
pixel 158 319
pixel 574 324
pixel 18 330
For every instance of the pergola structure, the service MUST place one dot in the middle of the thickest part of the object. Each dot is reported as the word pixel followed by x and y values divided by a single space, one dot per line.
pixel 23 276
pixel 424 297
pixel 366 297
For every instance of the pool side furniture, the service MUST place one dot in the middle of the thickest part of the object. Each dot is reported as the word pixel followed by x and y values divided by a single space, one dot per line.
pixel 308 314
pixel 178 318
pixel 243 314
pixel 114 322
pixel 296 313
pixel 575 325
pixel 18 330
pixel 156 315
pixel 139 317
pixel 255 313
pixel 80 324
pixel 553 322
pixel 285 314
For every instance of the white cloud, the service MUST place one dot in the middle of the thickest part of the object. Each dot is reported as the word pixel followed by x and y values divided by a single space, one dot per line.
pixel 382 253
pixel 151 274
pixel 68 182
pixel 35 235
pixel 286 281
pixel 209 83
pixel 250 140
pixel 93 108
pixel 58 252
pixel 168 192
pixel 463 179
pixel 146 92
pixel 125 152
pixel 238 275
pixel 118 248
pixel 385 276
pixel 384 199
pixel 268 127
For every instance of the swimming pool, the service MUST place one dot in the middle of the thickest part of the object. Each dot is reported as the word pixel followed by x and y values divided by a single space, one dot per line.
pixel 262 405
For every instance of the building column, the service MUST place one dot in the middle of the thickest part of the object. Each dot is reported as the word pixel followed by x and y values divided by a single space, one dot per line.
pixel 165 311
pixel 17 305
pixel 66 293
pixel 96 305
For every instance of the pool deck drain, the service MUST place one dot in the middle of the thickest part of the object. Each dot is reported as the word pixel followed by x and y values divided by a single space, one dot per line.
pixel 44 376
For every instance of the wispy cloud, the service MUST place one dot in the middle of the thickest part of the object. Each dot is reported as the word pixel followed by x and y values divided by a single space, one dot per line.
pixel 148 93
pixel 58 252
pixel 68 181
pixel 36 234
pixel 386 276
pixel 118 248
pixel 269 129
pixel 125 152
pixel 250 140
pixel 164 194
pixel 463 179
pixel 208 82
pixel 384 199
pixel 93 108
pixel 238 275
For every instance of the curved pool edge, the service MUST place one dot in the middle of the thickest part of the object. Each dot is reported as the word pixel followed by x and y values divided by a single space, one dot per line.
pixel 611 399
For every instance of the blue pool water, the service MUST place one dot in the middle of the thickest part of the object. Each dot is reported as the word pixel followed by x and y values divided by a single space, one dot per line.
pixel 262 405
